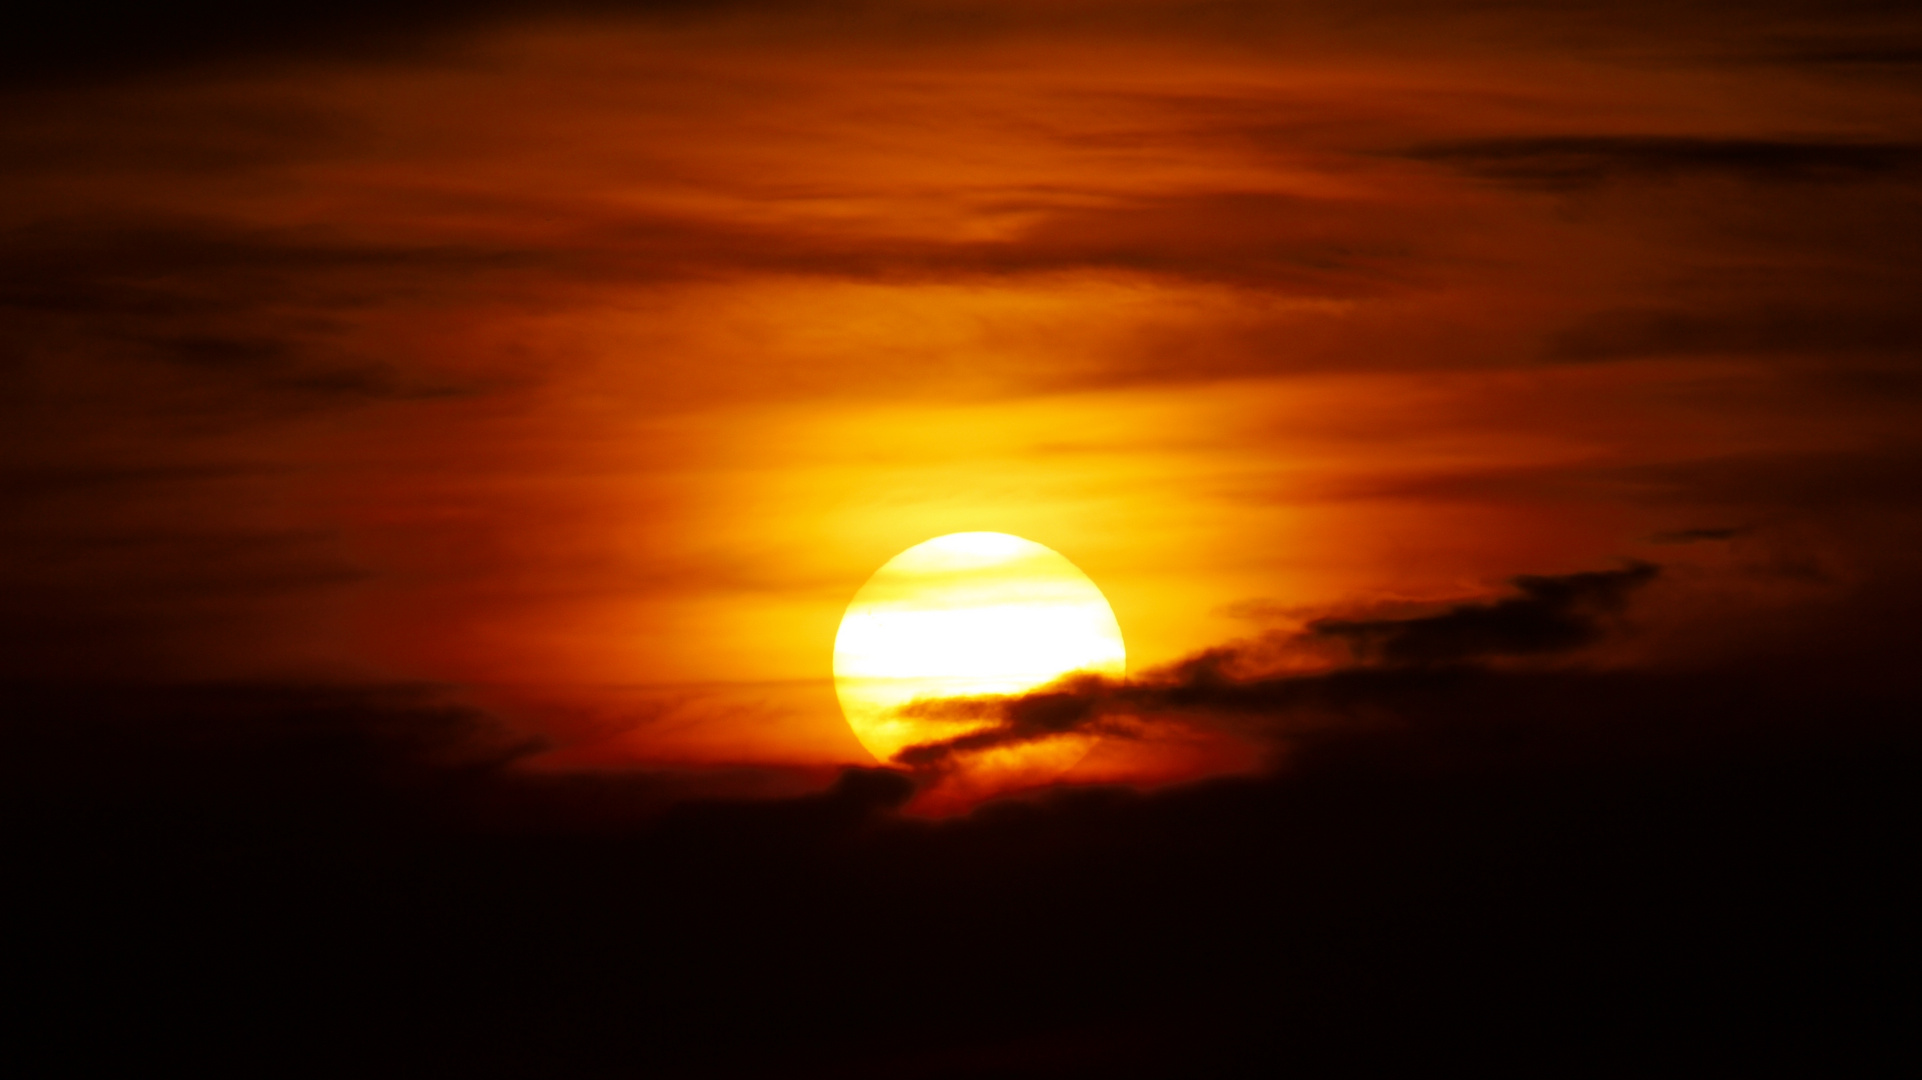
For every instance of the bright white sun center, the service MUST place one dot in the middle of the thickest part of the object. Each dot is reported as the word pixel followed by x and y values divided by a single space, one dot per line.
pixel 963 615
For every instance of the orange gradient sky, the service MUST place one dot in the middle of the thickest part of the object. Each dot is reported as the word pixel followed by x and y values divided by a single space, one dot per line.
pixel 591 365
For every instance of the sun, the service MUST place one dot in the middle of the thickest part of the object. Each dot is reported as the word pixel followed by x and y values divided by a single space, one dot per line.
pixel 963 615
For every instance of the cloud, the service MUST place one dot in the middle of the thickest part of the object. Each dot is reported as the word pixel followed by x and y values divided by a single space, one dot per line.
pixel 1635 333
pixel 1551 615
pixel 1567 162
pixel 258 321
pixel 1250 689
pixel 1870 56
pixel 285 750
pixel 64 43
pixel 1699 535
pixel 170 560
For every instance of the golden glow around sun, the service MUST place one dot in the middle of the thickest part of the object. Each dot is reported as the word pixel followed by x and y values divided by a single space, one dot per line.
pixel 963 615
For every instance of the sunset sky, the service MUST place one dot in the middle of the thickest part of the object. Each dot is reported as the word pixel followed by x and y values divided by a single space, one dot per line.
pixel 575 365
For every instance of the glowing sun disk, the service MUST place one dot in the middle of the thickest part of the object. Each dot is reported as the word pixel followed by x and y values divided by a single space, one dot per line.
pixel 962 615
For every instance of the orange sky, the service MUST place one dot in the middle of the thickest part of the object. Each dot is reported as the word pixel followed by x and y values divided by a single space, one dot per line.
pixel 592 365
